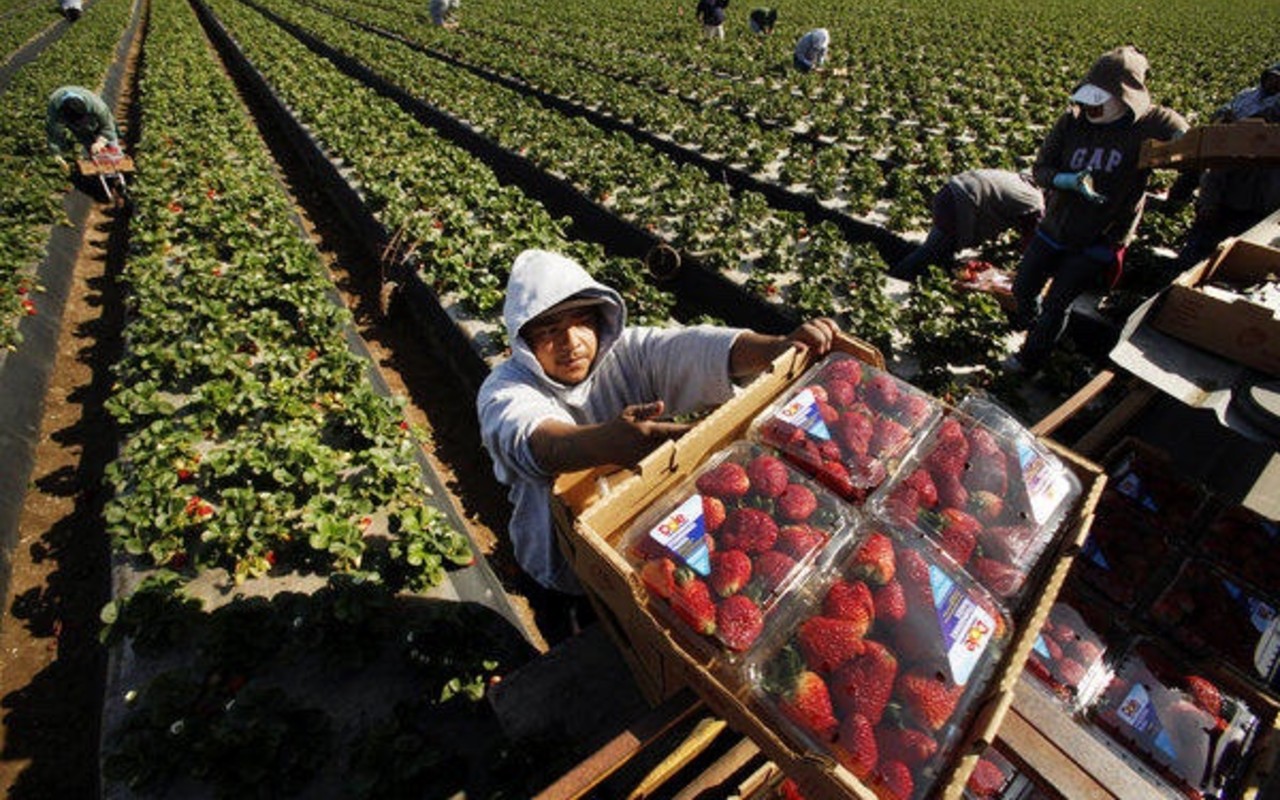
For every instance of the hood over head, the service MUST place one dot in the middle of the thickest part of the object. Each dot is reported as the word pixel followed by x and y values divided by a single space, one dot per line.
pixel 1122 73
pixel 541 279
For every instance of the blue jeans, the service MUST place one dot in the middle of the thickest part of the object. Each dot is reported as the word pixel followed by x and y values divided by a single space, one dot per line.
pixel 1072 272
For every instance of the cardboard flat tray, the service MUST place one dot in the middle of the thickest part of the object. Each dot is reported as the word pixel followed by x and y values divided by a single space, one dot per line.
pixel 89 166
pixel 1251 142
pixel 594 510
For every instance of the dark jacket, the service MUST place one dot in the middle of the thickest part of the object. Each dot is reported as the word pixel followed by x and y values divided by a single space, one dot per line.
pixel 712 12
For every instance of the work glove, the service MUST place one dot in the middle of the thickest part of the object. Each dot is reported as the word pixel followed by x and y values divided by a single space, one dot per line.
pixel 1080 182
pixel 98 145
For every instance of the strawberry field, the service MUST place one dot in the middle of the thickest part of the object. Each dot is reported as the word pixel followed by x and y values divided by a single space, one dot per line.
pixel 268 505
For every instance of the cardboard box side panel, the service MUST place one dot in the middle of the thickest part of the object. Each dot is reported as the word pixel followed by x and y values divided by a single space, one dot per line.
pixel 1245 262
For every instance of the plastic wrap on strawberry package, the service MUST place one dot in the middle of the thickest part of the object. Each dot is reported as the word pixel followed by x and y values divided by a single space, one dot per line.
pixel 987 491
pixel 1206 608
pixel 1244 541
pixel 995 777
pixel 1186 727
pixel 721 548
pixel 1148 480
pixel 1123 557
pixel 848 424
pixel 881 662
pixel 1069 657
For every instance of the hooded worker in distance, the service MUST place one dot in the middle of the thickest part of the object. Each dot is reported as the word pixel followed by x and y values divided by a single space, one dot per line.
pixel 1090 161
pixel 582 389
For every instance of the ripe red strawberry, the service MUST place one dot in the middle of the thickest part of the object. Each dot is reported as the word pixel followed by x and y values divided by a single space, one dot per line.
pixel 789 790
pixel 799 540
pixel 986 506
pixel 782 434
pixel 727 480
pixel 830 450
pixel 840 392
pixel 659 576
pixel 958 531
pixel 1006 542
pixel 889 437
pixel 819 392
pixel 890 603
pixel 797 502
pixel 1003 580
pixel 1070 671
pixel 894 781
pixel 713 513
pixel 1205 694
pixel 867 472
pixel 844 369
pixel 913 409
pixel 828 412
pixel 951 491
pixel 987 473
pixel 826 642
pixel 1086 651
pixel 855 746
pixel 850 600
pixel 903 505
pixel 692 602
pixel 881 391
pixel 768 475
pixel 808 704
pixel 986 780
pixel 739 622
pixel 863 684
pixel 911 746
pixel 926 491
pixel 748 529
pixel 853 432
pixel 835 476
pixel 1052 647
pixel 951 441
pixel 874 562
pixel 929 700
pixel 730 571
pixel 982 442
pixel 772 568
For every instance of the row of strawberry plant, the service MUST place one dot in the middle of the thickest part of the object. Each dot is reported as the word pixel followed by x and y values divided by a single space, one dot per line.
pixel 22 21
pixel 31 183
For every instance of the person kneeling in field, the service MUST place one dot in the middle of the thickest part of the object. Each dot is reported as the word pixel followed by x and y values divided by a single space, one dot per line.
pixel 583 389
pixel 762 20
pixel 1091 158
pixel 811 50
pixel 971 209
pixel 75 114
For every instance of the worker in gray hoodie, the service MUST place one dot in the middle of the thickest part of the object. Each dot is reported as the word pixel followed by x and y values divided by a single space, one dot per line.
pixel 1090 160
pixel 581 389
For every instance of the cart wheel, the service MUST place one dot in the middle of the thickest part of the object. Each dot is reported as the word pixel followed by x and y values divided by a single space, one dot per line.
pixel 662 261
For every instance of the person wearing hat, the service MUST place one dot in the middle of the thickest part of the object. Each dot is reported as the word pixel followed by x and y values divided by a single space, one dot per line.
pixel 1261 101
pixel 444 12
pixel 582 389
pixel 71 9
pixel 712 13
pixel 811 50
pixel 762 20
pixel 1090 161
pixel 75 114
pixel 970 209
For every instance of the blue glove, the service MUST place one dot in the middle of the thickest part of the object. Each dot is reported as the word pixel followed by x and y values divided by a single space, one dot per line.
pixel 1078 182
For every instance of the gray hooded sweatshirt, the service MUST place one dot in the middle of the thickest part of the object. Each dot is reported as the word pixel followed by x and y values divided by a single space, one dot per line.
pixel 1110 151
pixel 686 367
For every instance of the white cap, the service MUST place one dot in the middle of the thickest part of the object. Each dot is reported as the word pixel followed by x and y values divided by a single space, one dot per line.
pixel 1090 95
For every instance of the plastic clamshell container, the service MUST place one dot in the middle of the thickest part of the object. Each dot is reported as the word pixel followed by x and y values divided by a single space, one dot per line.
pixel 994 777
pixel 1070 656
pixel 848 424
pixel 1148 480
pixel 985 490
pixel 1245 542
pixel 721 548
pixel 1185 727
pixel 881 661
pixel 1206 608
pixel 1123 554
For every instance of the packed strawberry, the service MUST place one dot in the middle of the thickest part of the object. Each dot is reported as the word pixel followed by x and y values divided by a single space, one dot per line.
pixel 724 549
pixel 848 425
pixel 990 501
pixel 1245 541
pixel 1067 657
pixel 1123 554
pixel 1154 488
pixel 882 667
pixel 1192 733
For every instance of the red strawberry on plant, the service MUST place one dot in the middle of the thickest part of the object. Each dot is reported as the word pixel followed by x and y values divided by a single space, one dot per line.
pixel 772 568
pixel 893 781
pixel 928 698
pixel 853 432
pixel 796 503
pixel 727 480
pixel 926 491
pixel 748 529
pixel 863 684
pixel 844 369
pixel 911 746
pixel 827 642
pixel 739 622
pixel 890 603
pixel 881 391
pixel 987 780
pixel 659 576
pixel 850 600
pixel 730 571
pixel 692 602
pixel 1004 580
pixel 768 475
pixel 808 705
pixel 799 540
pixel 959 533
pixel 855 746
pixel 874 562
pixel 889 437
pixel 1205 694
pixel 713 513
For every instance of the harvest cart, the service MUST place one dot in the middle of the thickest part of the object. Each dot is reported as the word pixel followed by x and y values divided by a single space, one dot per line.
pixel 110 165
